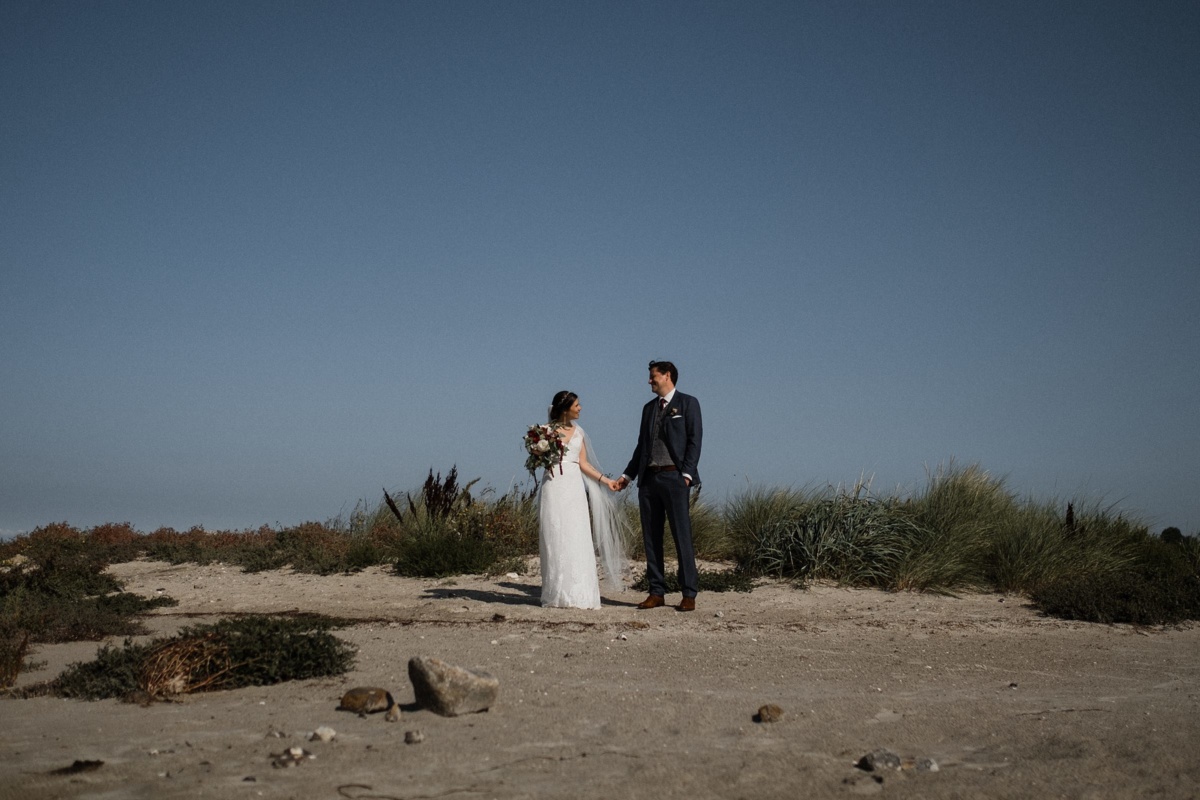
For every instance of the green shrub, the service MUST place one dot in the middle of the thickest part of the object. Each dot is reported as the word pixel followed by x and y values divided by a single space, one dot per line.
pixel 58 591
pixel 509 524
pixel 439 554
pixel 233 653
pixel 1161 586
pixel 14 646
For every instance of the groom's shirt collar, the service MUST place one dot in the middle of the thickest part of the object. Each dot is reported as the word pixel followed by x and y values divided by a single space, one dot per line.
pixel 669 396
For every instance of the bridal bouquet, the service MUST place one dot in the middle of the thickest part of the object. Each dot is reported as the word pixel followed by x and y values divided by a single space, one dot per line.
pixel 544 447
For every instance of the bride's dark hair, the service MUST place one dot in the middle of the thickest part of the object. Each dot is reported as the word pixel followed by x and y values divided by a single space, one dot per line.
pixel 561 402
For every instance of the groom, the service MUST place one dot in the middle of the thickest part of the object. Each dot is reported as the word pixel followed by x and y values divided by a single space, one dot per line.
pixel 664 464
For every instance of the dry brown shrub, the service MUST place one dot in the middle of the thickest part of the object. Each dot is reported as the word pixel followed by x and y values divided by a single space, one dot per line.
pixel 191 664
pixel 56 532
pixel 113 534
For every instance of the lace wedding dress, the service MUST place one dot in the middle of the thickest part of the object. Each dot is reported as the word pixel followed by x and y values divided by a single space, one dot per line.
pixel 565 542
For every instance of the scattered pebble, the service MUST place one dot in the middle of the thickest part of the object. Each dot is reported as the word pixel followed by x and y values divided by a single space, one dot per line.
pixel 413 737
pixel 878 760
pixel 769 713
pixel 291 757
pixel 323 733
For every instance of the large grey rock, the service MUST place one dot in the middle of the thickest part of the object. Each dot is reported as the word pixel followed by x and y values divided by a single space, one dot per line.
pixel 449 690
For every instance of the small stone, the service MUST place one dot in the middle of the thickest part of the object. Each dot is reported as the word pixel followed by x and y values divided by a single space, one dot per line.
pixel 1012 685
pixel 449 690
pixel 364 700
pixel 413 737
pixel 769 713
pixel 719 614
pixel 878 760
pixel 925 765
pixel 291 757
pixel 323 733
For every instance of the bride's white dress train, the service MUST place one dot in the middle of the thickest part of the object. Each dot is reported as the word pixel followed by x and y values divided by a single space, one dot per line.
pixel 569 578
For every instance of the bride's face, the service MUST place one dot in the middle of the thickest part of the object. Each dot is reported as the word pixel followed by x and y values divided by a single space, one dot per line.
pixel 572 413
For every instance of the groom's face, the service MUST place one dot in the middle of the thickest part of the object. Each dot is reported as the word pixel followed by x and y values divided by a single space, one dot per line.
pixel 660 384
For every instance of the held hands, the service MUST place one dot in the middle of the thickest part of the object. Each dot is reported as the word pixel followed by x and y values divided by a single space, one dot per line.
pixel 619 484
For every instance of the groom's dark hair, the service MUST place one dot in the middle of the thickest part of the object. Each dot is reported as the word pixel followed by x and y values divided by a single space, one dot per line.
pixel 665 368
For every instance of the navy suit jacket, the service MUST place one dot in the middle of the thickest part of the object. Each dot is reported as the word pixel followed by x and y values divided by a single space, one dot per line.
pixel 683 431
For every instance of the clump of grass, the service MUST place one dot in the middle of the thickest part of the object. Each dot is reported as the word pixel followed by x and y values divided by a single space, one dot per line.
pixel 957 519
pixel 447 533
pixel 1035 547
pixel 230 654
pixel 752 516
pixel 849 538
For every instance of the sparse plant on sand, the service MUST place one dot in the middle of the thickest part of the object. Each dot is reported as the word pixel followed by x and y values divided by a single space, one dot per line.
pixel 244 651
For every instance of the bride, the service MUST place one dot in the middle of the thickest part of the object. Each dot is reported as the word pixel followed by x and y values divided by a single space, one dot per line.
pixel 567 529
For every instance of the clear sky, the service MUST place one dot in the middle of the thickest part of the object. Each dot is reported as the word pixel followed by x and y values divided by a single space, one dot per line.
pixel 259 260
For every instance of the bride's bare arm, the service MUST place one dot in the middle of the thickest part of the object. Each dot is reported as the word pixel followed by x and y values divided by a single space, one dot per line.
pixel 590 471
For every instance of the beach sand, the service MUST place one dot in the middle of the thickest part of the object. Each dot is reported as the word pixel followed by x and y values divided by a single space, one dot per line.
pixel 622 703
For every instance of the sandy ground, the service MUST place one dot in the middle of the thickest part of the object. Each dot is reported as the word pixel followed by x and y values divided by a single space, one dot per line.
pixel 622 703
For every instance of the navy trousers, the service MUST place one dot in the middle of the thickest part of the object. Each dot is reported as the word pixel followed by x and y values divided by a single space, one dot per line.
pixel 663 496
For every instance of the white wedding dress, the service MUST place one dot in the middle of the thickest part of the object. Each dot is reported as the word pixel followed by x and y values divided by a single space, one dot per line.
pixel 569 578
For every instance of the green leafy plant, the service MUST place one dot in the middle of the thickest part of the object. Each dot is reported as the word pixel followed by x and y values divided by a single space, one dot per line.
pixel 233 653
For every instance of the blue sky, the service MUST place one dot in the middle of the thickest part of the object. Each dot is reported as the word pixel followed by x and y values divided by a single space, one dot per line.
pixel 261 259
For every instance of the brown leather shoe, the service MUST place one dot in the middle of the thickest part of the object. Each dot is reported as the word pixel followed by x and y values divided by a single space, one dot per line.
pixel 653 601
pixel 686 604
